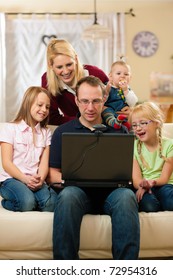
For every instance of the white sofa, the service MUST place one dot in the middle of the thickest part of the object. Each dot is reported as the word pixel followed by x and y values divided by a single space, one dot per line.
pixel 28 235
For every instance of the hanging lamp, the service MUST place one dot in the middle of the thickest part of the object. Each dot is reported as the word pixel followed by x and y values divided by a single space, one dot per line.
pixel 96 31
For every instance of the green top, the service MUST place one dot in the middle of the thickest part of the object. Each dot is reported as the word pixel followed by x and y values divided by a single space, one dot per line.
pixel 153 160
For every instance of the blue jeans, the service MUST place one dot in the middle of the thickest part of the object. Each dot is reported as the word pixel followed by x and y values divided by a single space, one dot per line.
pixel 73 203
pixel 18 197
pixel 161 199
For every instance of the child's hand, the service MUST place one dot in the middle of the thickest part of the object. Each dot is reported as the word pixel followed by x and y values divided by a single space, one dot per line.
pixel 144 186
pixel 123 85
pixel 34 182
pixel 139 194
pixel 147 184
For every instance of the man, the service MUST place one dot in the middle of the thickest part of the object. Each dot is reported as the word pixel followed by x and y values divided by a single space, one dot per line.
pixel 74 202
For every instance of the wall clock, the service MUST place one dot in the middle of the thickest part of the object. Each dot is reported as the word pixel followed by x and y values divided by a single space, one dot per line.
pixel 145 43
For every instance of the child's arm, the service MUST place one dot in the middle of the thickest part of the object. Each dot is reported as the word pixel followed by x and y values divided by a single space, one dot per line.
pixel 44 165
pixel 139 181
pixel 9 166
pixel 129 94
pixel 142 185
pixel 131 98
pixel 166 172
pixel 136 174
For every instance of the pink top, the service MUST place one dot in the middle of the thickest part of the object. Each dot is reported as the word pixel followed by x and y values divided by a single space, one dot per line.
pixel 26 155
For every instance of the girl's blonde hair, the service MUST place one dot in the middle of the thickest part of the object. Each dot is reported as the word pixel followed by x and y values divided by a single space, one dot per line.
pixel 63 47
pixel 150 111
pixel 24 112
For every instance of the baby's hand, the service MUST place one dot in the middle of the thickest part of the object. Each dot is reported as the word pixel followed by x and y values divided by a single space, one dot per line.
pixel 123 85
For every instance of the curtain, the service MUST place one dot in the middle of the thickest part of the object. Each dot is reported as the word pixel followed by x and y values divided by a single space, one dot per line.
pixel 2 68
pixel 26 39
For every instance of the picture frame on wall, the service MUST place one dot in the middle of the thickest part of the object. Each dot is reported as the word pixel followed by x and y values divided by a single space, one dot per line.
pixel 161 84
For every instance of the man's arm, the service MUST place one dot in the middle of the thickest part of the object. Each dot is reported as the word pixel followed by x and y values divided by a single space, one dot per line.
pixel 54 175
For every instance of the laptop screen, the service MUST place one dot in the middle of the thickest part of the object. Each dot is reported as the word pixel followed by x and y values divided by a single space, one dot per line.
pixel 97 159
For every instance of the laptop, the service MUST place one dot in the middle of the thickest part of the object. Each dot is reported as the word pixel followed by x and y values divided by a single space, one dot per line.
pixel 97 160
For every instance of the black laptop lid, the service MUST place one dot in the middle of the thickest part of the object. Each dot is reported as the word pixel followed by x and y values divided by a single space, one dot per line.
pixel 95 159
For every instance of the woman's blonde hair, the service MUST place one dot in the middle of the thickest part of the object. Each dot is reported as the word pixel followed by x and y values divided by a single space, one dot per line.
pixel 63 47
pixel 24 112
pixel 150 111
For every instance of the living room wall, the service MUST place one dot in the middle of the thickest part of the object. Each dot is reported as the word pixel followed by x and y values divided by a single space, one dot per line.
pixel 154 16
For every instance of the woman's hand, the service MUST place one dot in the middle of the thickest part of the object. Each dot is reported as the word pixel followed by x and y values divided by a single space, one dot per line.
pixel 107 90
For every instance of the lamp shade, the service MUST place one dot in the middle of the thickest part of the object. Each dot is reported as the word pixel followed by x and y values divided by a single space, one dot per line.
pixel 96 32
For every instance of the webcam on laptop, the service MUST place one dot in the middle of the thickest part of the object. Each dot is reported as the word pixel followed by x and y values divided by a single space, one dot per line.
pixel 99 128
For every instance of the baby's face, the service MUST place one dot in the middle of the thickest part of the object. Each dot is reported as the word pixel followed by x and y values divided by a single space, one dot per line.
pixel 120 75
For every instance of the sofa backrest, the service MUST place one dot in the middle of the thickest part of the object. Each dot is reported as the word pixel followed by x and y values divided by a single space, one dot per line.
pixel 168 130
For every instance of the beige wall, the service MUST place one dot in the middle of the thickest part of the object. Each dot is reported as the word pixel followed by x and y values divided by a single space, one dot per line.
pixel 154 16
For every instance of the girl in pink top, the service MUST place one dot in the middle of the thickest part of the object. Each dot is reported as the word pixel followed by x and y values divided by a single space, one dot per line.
pixel 25 153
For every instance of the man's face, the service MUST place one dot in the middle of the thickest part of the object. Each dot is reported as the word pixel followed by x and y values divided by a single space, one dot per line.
pixel 90 102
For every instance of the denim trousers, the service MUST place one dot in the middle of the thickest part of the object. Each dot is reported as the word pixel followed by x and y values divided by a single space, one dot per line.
pixel 161 199
pixel 73 203
pixel 18 197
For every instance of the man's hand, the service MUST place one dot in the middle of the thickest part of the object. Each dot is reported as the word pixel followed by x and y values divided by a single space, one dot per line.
pixel 125 111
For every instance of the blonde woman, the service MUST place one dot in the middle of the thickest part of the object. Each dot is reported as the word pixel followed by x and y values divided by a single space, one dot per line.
pixel 153 159
pixel 64 70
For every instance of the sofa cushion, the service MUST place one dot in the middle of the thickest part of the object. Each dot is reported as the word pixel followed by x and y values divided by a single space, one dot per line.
pixel 28 235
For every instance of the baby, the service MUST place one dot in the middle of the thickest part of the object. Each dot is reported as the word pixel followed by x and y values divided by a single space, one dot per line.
pixel 120 98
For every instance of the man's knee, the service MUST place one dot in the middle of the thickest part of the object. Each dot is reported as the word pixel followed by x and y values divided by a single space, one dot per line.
pixel 71 195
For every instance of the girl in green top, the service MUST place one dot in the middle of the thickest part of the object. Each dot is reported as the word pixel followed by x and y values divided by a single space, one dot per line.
pixel 153 159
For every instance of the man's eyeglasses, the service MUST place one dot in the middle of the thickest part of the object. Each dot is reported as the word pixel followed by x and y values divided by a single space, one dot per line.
pixel 141 124
pixel 86 102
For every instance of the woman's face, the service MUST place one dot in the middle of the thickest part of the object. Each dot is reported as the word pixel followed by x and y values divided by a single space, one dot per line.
pixel 64 68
